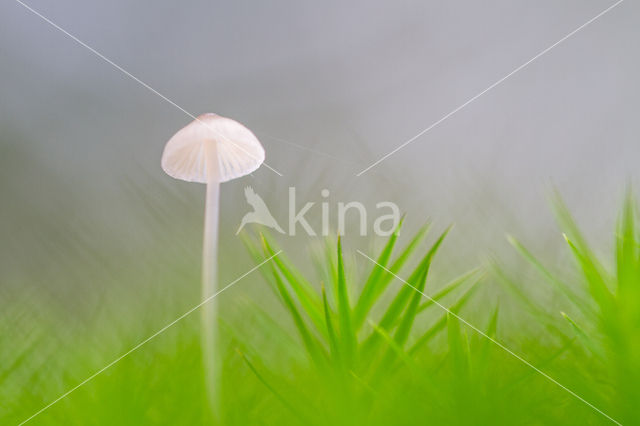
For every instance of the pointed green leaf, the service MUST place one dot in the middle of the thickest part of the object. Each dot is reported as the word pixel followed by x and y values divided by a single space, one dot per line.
pixel 272 389
pixel 303 290
pixel 405 293
pixel 382 281
pixel 440 324
pixel 398 304
pixel 333 339
pixel 366 299
pixel 402 332
pixel 457 347
pixel 395 351
pixel 584 337
pixel 579 302
pixel 597 285
pixel 313 348
pixel 451 286
pixel 627 262
pixel 347 335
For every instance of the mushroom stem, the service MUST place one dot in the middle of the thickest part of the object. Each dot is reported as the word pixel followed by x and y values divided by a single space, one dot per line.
pixel 209 328
pixel 210 150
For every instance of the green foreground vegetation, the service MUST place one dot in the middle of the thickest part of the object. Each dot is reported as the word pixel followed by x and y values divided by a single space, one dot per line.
pixel 345 348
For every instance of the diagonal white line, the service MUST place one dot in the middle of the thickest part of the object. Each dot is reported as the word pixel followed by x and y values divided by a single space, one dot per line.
pixel 490 87
pixel 500 345
pixel 306 148
pixel 136 347
pixel 134 78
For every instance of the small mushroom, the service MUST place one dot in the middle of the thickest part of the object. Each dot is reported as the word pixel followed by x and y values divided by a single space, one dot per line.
pixel 211 149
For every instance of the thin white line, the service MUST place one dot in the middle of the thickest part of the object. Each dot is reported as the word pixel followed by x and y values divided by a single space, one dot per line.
pixel 134 78
pixel 305 148
pixel 490 87
pixel 148 339
pixel 500 345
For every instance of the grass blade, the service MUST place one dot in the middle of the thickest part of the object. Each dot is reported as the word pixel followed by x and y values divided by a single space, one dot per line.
pixel 438 326
pixel 402 332
pixel 400 301
pixel 398 304
pixel 367 296
pixel 458 349
pixel 584 337
pixel 384 279
pixel 561 286
pixel 333 339
pixel 275 393
pixel 303 290
pixel 597 286
pixel 395 350
pixel 344 310
pixel 627 262
pixel 451 286
pixel 313 348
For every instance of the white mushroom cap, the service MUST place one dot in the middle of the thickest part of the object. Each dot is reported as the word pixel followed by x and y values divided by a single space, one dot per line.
pixel 212 148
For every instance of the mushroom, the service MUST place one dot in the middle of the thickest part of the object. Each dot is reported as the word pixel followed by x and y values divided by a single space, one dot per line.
pixel 211 149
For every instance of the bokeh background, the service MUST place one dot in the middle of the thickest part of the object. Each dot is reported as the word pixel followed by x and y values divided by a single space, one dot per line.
pixel 346 84
pixel 87 215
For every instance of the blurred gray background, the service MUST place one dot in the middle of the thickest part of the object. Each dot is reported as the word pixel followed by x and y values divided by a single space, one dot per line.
pixel 328 88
